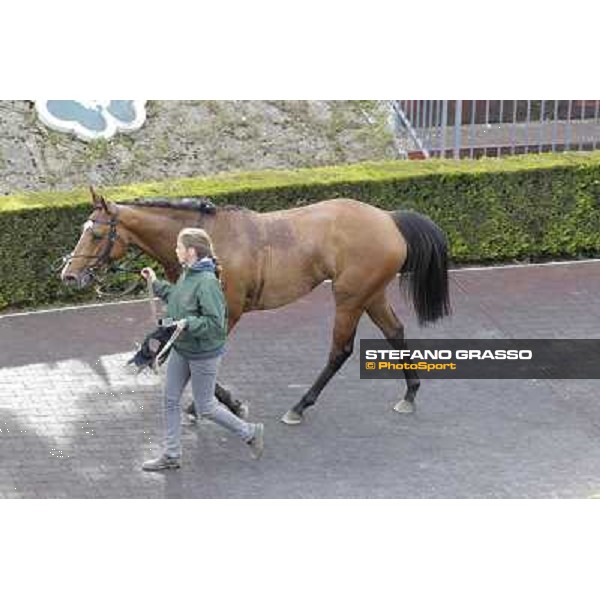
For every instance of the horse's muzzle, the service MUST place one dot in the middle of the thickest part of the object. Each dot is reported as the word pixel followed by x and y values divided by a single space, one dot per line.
pixel 70 280
pixel 80 281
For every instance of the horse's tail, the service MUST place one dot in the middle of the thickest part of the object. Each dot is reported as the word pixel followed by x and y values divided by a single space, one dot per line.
pixel 426 266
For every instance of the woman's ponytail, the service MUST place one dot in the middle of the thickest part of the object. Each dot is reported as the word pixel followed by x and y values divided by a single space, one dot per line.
pixel 218 267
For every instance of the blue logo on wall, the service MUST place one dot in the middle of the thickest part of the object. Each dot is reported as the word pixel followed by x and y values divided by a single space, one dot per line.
pixel 92 119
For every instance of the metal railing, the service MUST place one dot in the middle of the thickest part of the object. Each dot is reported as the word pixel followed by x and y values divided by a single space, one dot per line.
pixel 476 128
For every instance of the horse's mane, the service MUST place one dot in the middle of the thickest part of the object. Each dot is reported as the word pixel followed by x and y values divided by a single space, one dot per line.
pixel 200 204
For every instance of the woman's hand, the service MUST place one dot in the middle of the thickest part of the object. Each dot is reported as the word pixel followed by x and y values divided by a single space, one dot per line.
pixel 148 274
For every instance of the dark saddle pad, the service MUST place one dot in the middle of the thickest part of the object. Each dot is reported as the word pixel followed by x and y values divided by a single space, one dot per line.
pixel 151 347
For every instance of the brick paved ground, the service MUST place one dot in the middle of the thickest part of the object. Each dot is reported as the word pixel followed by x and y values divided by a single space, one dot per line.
pixel 74 423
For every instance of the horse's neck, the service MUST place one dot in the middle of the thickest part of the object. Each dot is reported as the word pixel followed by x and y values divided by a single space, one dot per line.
pixel 155 232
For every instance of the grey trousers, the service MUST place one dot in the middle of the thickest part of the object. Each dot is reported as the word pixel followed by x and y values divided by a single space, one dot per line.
pixel 203 374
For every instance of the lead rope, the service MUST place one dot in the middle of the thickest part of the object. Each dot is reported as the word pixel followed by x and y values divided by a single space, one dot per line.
pixel 154 314
pixel 152 299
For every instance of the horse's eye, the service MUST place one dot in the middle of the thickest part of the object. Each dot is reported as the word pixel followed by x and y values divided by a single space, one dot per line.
pixel 97 236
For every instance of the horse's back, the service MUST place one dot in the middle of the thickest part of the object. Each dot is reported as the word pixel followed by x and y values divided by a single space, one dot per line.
pixel 298 248
pixel 329 227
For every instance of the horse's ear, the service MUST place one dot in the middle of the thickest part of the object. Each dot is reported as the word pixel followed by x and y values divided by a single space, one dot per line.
pixel 98 201
pixel 96 198
pixel 104 205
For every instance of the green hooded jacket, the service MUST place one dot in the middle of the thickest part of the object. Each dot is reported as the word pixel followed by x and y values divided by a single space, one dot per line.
pixel 197 297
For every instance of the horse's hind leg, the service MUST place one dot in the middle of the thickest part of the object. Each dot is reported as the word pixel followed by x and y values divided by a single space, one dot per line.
pixel 383 315
pixel 346 320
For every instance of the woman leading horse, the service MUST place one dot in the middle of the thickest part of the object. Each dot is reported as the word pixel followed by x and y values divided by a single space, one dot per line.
pixel 271 259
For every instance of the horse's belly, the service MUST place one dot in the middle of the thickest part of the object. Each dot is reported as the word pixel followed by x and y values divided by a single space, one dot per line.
pixel 275 295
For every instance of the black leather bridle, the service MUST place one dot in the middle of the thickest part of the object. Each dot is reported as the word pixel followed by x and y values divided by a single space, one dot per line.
pixel 102 259
pixel 102 265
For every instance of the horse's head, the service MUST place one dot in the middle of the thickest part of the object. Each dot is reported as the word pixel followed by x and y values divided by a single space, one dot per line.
pixel 102 241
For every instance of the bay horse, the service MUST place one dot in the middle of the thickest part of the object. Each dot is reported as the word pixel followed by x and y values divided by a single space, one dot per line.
pixel 271 259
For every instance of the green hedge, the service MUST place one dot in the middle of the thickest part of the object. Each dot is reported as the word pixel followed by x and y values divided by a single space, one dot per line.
pixel 542 206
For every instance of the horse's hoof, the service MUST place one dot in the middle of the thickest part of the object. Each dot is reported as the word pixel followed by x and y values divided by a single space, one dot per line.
pixel 243 411
pixel 405 407
pixel 291 417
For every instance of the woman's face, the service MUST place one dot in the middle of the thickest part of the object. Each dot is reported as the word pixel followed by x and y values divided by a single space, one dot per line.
pixel 185 256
